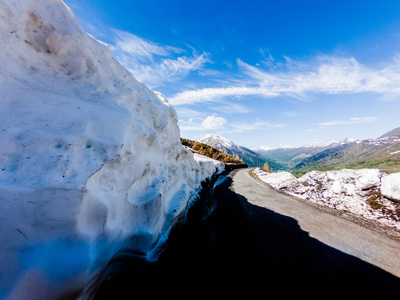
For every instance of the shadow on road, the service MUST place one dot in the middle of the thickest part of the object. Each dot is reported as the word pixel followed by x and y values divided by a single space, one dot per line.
pixel 216 252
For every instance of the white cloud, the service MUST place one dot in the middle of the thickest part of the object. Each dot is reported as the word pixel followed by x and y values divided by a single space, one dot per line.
pixel 217 94
pixel 153 64
pixel 213 122
pixel 355 120
pixel 330 75
pixel 323 74
pixel 258 125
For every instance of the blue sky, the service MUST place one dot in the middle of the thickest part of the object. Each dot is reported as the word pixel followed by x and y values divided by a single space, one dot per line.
pixel 261 73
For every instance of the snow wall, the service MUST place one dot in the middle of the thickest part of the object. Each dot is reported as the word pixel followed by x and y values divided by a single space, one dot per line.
pixel 90 159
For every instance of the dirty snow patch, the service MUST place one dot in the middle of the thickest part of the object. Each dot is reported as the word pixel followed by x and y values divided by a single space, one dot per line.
pixel 360 192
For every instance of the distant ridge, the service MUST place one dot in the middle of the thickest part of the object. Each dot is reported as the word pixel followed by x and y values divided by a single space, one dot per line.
pixel 251 158
pixel 322 144
pixel 393 133
pixel 382 153
pixel 290 157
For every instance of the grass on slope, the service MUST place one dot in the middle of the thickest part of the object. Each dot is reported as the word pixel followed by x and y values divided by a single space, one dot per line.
pixel 387 160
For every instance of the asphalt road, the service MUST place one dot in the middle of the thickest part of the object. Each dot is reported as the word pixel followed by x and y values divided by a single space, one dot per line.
pixel 241 238
pixel 334 231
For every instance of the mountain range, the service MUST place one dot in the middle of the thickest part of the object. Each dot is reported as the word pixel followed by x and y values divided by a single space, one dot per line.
pixel 382 153
pixel 292 157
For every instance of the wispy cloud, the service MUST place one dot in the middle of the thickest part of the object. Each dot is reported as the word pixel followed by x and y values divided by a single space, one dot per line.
pixel 155 64
pixel 258 125
pixel 217 94
pixel 323 74
pixel 355 120
pixel 140 48
pixel 231 108
pixel 184 112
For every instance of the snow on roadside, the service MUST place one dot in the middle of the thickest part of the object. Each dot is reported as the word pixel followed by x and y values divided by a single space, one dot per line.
pixel 90 159
pixel 361 192
pixel 276 180
pixel 391 186
pixel 208 166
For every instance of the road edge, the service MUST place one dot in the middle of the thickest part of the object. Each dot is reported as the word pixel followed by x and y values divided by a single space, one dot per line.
pixel 388 231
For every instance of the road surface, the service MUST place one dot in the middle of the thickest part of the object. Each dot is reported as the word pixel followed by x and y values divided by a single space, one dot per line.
pixel 339 233
pixel 243 238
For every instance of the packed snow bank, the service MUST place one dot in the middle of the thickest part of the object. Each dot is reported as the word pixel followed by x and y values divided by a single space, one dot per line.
pixel 391 186
pixel 277 180
pixel 208 166
pixel 90 159
pixel 357 191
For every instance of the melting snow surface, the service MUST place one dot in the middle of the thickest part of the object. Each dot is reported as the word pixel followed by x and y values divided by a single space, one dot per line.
pixel 347 190
pixel 90 159
pixel 391 186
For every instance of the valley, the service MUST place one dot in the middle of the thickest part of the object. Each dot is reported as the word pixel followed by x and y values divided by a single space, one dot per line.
pixel 381 153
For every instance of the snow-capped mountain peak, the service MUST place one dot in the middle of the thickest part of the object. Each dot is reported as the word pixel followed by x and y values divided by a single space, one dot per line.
pixel 251 158
pixel 219 142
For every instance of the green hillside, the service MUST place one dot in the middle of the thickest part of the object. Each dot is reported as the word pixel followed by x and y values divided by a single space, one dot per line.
pixel 387 160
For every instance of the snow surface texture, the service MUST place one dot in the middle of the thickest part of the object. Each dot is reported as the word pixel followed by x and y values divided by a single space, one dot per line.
pixel 355 191
pixel 391 186
pixel 90 159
